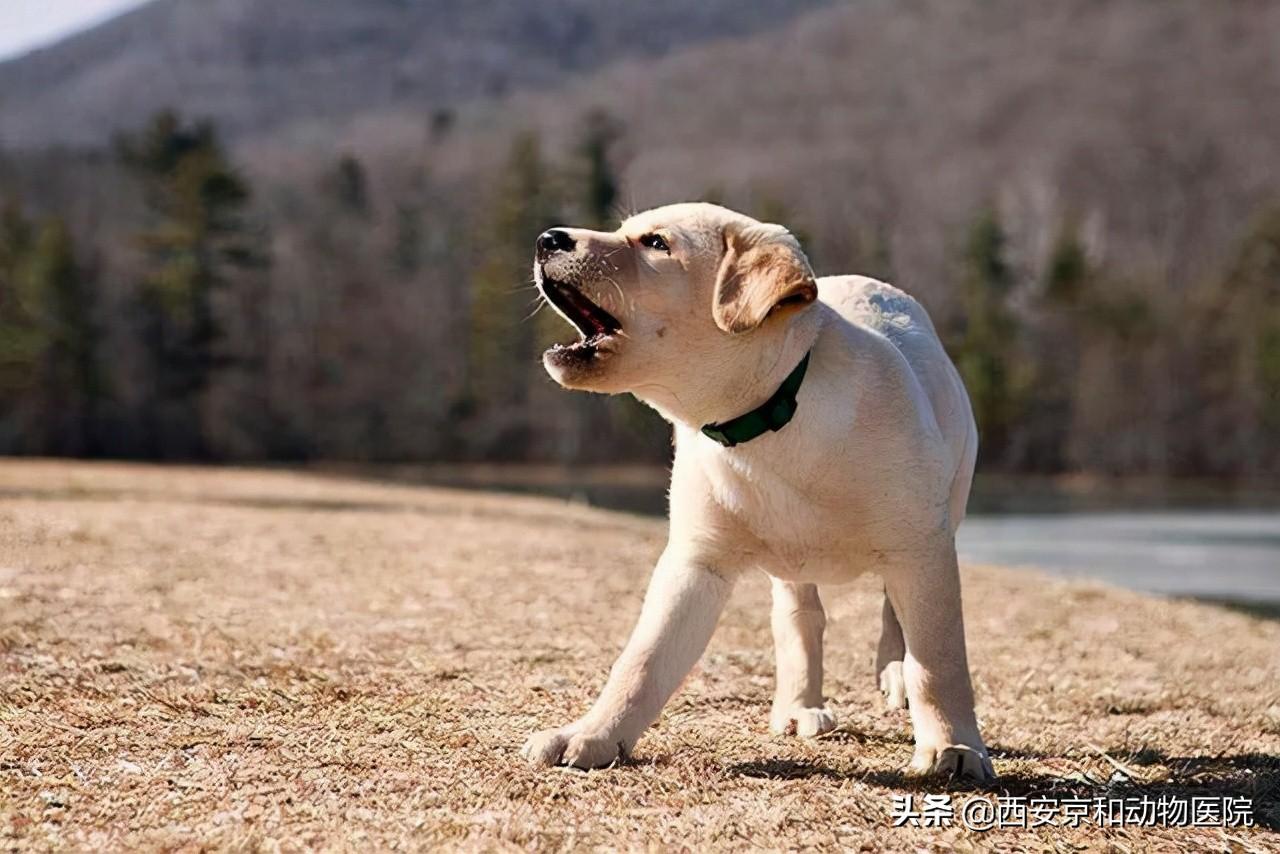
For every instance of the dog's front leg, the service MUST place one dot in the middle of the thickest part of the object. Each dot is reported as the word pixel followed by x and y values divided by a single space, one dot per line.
pixel 926 598
pixel 798 623
pixel 684 601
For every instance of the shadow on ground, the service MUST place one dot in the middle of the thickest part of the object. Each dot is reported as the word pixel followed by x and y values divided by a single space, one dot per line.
pixel 1261 609
pixel 1255 776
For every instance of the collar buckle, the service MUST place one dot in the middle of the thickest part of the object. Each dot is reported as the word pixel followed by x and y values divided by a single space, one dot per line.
pixel 715 433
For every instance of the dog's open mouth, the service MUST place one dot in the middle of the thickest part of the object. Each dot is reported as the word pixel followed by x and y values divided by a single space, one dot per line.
pixel 595 325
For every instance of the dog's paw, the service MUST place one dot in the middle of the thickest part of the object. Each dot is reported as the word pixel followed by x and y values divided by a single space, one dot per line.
pixel 576 746
pixel 893 686
pixel 952 760
pixel 801 721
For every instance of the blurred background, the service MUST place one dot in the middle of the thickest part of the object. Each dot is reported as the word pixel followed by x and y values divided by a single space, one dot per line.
pixel 299 231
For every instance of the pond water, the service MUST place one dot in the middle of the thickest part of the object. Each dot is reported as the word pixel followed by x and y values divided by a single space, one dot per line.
pixel 1231 556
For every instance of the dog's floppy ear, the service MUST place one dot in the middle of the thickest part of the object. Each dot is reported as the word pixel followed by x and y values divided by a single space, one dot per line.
pixel 763 271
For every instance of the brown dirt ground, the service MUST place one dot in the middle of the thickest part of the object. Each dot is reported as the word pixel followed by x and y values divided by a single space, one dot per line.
pixel 196 658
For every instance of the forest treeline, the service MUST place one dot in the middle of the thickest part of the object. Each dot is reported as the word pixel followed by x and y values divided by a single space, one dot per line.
pixel 199 314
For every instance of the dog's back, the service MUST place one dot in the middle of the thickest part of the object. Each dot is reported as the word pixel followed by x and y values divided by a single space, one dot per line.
pixel 892 313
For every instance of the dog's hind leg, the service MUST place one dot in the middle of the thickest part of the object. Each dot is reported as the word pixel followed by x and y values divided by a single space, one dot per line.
pixel 889 656
pixel 926 599
pixel 798 623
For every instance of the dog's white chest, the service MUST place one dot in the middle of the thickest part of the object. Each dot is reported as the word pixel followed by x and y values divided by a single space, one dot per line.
pixel 806 530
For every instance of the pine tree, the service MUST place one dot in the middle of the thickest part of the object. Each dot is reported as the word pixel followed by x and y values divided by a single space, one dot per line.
pixel 50 385
pixel 599 184
pixel 197 245
pixel 1245 333
pixel 986 347
pixel 1056 344
pixel 349 186
pixel 503 351
pixel 407 244
pixel 70 380
pixel 1067 272
pixel 21 341
pixel 595 190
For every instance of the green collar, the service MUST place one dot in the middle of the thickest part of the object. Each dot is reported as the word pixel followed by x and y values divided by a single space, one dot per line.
pixel 773 414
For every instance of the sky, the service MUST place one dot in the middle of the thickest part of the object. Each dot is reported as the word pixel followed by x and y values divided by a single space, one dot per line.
pixel 28 24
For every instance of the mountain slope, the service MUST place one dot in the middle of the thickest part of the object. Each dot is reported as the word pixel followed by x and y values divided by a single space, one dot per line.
pixel 1156 123
pixel 251 65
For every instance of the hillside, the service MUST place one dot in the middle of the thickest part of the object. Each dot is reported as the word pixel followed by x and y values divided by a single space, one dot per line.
pixel 239 659
pixel 252 65
pixel 1156 125
pixel 1138 138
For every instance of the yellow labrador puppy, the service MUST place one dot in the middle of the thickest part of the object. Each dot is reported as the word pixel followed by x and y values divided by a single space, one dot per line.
pixel 821 432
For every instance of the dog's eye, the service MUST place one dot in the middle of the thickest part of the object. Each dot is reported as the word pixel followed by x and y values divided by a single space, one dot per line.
pixel 655 241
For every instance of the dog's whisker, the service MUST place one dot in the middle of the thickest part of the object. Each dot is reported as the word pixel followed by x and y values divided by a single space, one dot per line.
pixel 622 298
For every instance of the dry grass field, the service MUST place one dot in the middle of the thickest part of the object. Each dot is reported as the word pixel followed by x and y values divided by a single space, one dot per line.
pixel 236 659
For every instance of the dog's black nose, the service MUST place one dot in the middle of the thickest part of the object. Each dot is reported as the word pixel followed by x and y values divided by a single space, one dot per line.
pixel 554 240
